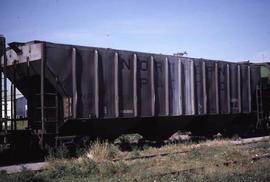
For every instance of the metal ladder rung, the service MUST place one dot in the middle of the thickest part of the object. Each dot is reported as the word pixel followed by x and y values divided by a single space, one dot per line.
pixel 262 103
pixel 49 123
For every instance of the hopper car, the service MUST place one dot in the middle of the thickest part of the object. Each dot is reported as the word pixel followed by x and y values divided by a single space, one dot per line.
pixel 76 90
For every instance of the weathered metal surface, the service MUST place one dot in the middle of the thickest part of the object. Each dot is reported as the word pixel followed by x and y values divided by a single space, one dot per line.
pixel 175 87
pixel 74 84
pixel 200 85
pixel 211 87
pixel 31 52
pixel 224 86
pixel 107 83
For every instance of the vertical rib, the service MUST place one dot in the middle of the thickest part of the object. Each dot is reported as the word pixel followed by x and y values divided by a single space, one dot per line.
pixel 204 89
pixel 192 87
pixel 249 90
pixel 239 88
pixel 166 76
pixel 74 84
pixel 216 88
pixel 180 106
pixel 116 94
pixel 96 84
pixel 228 89
pixel 152 86
pixel 135 104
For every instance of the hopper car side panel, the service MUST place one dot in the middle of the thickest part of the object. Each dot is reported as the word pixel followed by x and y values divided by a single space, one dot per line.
pixel 224 87
pixel 127 84
pixel 145 79
pixel 235 89
pixel 145 85
pixel 255 81
pixel 188 82
pixel 200 93
pixel 106 83
pixel 161 75
pixel 175 87
pixel 245 88
pixel 211 87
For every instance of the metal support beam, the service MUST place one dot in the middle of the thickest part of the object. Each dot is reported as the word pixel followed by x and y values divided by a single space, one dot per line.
pixel 74 84
pixel 11 106
pixel 249 90
pixel 5 91
pixel 166 76
pixel 14 98
pixel 56 112
pixel 116 86
pixel 192 78
pixel 96 83
pixel 42 74
pixel 239 88
pixel 135 104
pixel 1 96
pixel 204 89
pixel 28 89
pixel 216 88
pixel 2 53
pixel 152 83
pixel 15 108
pixel 180 101
pixel 228 89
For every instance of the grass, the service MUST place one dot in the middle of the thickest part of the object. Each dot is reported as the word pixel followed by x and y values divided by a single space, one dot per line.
pixel 215 160
pixel 100 151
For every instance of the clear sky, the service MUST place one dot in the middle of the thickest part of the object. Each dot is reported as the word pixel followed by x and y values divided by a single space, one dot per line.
pixel 233 30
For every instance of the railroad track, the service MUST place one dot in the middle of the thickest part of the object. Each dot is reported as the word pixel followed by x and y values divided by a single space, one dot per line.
pixel 236 142
pixel 202 168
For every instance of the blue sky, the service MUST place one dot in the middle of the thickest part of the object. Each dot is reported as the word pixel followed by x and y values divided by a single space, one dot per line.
pixel 233 30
